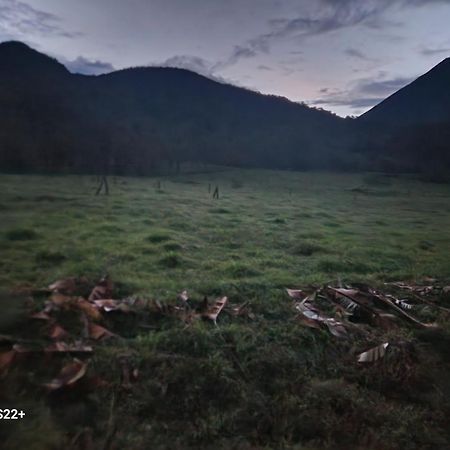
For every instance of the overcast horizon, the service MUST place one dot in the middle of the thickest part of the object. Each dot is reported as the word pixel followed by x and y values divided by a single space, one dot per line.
pixel 344 56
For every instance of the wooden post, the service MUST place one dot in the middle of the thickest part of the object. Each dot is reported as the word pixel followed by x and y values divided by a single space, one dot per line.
pixel 216 192
pixel 103 184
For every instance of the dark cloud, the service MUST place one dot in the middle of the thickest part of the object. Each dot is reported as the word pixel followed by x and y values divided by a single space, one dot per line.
pixel 355 53
pixel 194 63
pixel 345 101
pixel 362 93
pixel 382 87
pixel 264 68
pixel 88 66
pixel 331 15
pixel 207 68
pixel 19 19
pixel 247 51
pixel 197 65
pixel 423 2
pixel 240 52
pixel 435 51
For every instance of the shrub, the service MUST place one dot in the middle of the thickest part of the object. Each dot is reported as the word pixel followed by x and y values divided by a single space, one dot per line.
pixel 158 236
pixel 21 234
pixel 171 260
pixel 48 257
pixel 306 248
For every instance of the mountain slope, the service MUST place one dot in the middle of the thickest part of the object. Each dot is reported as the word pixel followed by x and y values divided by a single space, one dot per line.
pixel 424 101
pixel 135 120
pixel 410 130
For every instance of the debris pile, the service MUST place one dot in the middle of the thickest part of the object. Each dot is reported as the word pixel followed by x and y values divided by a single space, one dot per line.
pixel 70 324
pixel 360 312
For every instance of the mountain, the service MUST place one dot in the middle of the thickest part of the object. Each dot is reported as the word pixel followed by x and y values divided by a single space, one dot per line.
pixel 140 119
pixel 18 58
pixel 424 101
pixel 410 130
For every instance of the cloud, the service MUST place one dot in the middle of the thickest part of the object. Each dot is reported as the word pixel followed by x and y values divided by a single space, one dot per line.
pixel 240 52
pixel 330 16
pixel 326 17
pixel 88 66
pixel 434 51
pixel 198 65
pixel 204 67
pixel 20 20
pixel 355 53
pixel 382 87
pixel 193 63
pixel 362 93
pixel 264 68
pixel 345 101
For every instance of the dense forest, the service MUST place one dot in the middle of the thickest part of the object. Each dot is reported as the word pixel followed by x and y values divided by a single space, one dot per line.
pixel 139 120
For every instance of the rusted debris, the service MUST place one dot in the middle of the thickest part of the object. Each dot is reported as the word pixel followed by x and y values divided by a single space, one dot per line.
pixel 388 302
pixel 356 312
pixel 68 376
pixel 109 305
pixel 242 311
pixel 313 315
pixel 214 311
pixel 97 332
pixel 373 354
pixel 88 308
pixel 6 359
pixel 67 285
pixel 64 347
pixel 103 290
pixel 42 315
pixel 58 333
pixel 422 290
pixel 183 296
pixel 296 294
pixel 59 299
pixel 129 374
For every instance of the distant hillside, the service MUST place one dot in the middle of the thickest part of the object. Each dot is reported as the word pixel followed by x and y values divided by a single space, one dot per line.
pixel 410 130
pixel 138 120
pixel 135 120
pixel 424 101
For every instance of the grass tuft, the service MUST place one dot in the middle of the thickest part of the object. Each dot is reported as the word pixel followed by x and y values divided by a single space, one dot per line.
pixel 21 234
pixel 158 237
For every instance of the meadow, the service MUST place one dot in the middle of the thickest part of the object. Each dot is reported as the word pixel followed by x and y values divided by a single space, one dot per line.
pixel 262 381
pixel 267 229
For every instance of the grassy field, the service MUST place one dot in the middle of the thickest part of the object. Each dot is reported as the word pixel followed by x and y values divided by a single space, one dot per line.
pixel 268 229
pixel 261 383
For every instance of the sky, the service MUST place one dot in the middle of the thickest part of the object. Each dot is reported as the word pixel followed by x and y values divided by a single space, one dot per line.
pixel 341 55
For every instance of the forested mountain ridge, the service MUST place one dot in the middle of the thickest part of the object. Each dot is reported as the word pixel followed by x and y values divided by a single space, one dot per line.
pixel 134 120
pixel 410 130
pixel 426 100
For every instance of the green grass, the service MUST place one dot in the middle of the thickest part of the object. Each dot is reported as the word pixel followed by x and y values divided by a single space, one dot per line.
pixel 261 383
pixel 277 228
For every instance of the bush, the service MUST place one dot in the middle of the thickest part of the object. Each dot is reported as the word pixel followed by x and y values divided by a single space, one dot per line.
pixel 171 260
pixel 51 258
pixel 21 234
pixel 306 248
pixel 157 237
